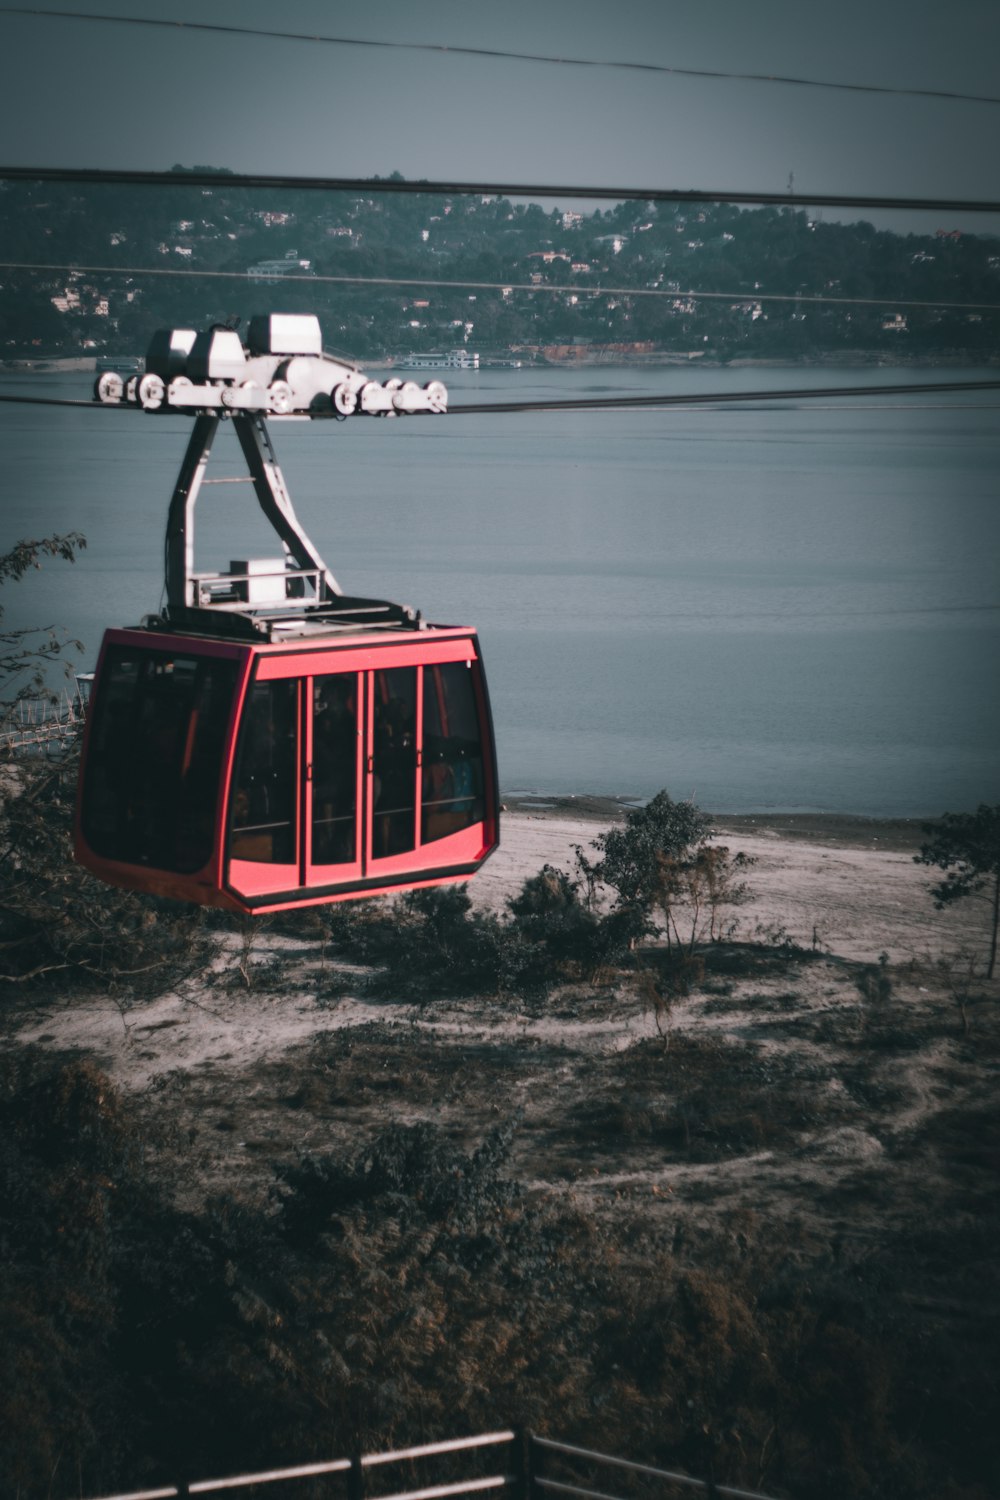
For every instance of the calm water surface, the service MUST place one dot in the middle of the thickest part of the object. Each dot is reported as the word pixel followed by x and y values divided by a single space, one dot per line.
pixel 766 608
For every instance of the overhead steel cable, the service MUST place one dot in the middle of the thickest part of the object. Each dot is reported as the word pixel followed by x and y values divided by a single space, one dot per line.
pixel 505 55
pixel 726 398
pixel 197 177
pixel 603 403
pixel 577 288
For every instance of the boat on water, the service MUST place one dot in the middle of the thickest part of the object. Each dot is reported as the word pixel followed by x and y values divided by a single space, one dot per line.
pixel 454 359
pixel 124 364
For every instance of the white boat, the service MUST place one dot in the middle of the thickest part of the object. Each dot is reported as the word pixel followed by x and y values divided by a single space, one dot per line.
pixel 455 359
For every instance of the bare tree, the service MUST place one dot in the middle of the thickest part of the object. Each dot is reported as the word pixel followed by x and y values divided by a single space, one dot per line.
pixel 25 653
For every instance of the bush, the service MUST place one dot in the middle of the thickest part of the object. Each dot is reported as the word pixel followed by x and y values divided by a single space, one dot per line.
pixel 413 1289
pixel 631 856
pixel 409 1169
pixel 59 927
pixel 431 942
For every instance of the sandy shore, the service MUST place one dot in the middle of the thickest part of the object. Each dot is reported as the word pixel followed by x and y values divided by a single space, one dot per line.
pixel 836 885
pixel 844 884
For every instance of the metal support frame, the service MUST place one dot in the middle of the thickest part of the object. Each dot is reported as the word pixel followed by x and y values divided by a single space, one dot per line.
pixel 272 496
pixel 276 503
pixel 179 554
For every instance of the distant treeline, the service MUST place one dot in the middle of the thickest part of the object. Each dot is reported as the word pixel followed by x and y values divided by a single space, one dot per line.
pixel 629 275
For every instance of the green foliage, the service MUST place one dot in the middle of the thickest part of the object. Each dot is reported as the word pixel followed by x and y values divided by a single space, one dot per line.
pixel 718 248
pixel 412 1288
pixel 661 860
pixel 548 913
pixel 406 1169
pixel 68 1155
pixel 967 847
pixel 433 943
pixel 632 856
pixel 59 927
pixel 698 884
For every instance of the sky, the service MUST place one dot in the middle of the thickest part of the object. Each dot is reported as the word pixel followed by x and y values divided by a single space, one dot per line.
pixel 80 93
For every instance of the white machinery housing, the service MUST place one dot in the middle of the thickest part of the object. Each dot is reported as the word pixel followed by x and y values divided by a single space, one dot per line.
pixel 282 371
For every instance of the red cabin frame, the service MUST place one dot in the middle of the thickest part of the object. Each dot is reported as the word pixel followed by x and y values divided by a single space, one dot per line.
pixel 402 794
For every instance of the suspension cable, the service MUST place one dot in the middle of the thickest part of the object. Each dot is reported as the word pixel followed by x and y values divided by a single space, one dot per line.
pixel 202 177
pixel 604 403
pixel 577 288
pixel 718 398
pixel 507 56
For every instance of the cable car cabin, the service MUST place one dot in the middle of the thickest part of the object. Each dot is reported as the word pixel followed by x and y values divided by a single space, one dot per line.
pixel 266 741
pixel 259 777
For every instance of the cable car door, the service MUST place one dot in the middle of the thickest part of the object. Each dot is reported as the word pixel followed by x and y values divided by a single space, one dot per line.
pixel 295 801
pixel 393 725
pixel 426 772
pixel 334 764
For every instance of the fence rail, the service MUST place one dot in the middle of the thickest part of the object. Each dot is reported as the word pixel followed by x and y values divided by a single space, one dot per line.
pixel 526 1473
pixel 42 725
pixel 707 1486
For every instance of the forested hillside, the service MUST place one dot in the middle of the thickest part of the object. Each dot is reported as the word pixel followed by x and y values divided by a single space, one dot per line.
pixel 652 279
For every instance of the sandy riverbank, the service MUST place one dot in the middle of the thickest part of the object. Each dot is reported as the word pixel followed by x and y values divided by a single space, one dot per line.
pixel 841 883
pixel 830 884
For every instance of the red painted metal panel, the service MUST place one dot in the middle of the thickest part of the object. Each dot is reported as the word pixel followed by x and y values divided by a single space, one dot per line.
pixel 426 648
pixel 203 886
pixel 249 885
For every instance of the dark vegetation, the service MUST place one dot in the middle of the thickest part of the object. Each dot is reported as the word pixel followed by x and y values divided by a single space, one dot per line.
pixel 967 847
pixel 409 1253
pixel 402 1280
pixel 645 247
pixel 59 928
pixel 408 1287
pixel 27 655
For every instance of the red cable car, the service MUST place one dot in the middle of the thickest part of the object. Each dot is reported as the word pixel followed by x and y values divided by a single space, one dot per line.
pixel 266 742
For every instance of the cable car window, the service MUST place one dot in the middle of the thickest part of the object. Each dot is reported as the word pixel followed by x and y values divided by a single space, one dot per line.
pixel 154 758
pixel 452 779
pixel 264 790
pixel 334 769
pixel 394 761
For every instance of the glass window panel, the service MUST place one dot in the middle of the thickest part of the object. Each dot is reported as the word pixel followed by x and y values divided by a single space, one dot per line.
pixel 335 769
pixel 154 758
pixel 263 800
pixel 452 779
pixel 394 761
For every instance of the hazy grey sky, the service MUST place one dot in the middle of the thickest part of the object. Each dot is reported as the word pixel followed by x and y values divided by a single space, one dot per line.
pixel 78 93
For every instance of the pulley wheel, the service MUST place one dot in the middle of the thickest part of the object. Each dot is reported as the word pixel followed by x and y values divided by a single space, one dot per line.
pixel 280 396
pixel 345 401
pixel 110 387
pixel 150 391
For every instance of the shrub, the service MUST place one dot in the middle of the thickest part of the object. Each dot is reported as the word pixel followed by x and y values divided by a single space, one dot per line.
pixel 59 927
pixel 431 942
pixel 631 855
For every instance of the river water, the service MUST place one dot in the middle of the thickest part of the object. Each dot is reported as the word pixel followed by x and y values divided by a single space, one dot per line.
pixel 790 607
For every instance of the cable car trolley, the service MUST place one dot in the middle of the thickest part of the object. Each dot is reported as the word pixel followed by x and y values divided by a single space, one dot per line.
pixel 266 741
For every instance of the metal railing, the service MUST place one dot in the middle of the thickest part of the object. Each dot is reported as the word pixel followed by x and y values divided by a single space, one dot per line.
pixel 355 1470
pixel 526 1467
pixel 40 725
pixel 540 1482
